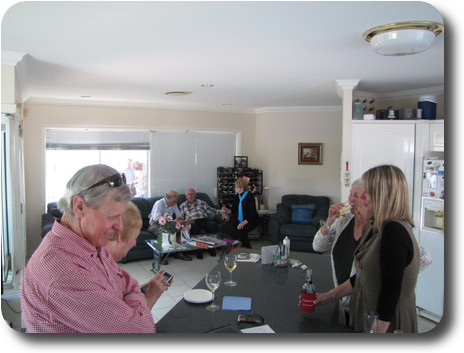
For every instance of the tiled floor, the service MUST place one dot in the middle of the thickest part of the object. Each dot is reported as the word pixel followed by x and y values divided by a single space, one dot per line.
pixel 188 273
pixel 186 276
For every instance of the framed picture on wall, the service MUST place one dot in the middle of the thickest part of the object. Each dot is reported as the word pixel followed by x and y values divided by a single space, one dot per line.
pixel 240 162
pixel 310 153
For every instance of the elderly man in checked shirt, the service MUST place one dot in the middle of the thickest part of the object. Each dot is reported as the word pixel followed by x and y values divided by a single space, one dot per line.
pixel 72 283
pixel 197 213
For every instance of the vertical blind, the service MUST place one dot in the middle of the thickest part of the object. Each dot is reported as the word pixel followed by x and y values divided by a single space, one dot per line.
pixel 184 159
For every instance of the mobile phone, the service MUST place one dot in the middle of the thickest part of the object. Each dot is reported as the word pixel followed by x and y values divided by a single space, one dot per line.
pixel 167 277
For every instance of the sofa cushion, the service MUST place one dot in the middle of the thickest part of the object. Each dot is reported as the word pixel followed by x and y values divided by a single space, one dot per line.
pixel 52 208
pixel 298 230
pixel 303 214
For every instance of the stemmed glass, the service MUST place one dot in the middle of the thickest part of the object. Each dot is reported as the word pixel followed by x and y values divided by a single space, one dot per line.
pixel 213 280
pixel 230 262
pixel 343 211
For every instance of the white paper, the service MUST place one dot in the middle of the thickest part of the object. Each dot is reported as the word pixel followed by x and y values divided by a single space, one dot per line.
pixel 252 258
pixel 258 329
pixel 267 254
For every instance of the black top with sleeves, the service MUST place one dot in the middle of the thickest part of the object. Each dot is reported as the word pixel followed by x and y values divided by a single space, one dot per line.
pixel 396 252
pixel 248 207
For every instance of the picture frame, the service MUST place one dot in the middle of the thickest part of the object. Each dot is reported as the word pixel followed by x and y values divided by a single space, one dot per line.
pixel 310 153
pixel 240 161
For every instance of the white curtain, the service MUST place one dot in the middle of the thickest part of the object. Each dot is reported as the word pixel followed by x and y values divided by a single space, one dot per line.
pixel 183 159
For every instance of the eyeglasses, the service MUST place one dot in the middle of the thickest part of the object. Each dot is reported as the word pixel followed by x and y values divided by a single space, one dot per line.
pixel 250 319
pixel 113 181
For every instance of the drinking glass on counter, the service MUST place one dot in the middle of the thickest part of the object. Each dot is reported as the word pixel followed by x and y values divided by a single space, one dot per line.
pixel 230 262
pixel 213 280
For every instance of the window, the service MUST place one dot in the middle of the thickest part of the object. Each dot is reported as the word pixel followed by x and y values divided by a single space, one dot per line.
pixel 68 150
pixel 168 160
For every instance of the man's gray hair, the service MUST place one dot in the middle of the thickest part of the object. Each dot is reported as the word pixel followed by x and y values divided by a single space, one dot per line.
pixel 83 179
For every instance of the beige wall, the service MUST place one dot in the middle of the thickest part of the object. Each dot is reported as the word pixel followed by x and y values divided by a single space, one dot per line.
pixel 39 117
pixel 277 138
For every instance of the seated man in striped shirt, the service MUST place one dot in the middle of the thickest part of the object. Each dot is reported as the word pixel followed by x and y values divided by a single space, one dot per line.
pixel 197 213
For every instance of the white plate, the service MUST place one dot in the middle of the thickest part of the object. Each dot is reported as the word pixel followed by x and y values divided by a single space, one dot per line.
pixel 198 296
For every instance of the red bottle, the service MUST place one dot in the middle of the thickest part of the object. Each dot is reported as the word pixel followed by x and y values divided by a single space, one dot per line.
pixel 308 294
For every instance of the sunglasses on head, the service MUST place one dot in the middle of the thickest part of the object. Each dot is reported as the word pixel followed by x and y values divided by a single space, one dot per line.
pixel 113 181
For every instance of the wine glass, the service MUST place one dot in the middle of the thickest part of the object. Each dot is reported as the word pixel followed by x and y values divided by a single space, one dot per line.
pixel 343 211
pixel 213 280
pixel 371 320
pixel 230 262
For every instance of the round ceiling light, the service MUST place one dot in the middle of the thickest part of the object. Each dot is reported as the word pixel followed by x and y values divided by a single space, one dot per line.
pixel 403 38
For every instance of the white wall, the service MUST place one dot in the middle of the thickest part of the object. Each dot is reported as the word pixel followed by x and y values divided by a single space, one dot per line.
pixel 39 117
pixel 277 138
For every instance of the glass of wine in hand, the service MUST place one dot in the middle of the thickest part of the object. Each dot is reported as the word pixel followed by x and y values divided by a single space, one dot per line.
pixel 230 262
pixel 213 280
pixel 341 212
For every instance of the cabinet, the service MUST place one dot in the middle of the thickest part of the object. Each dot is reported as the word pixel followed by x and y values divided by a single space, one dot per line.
pixel 405 144
pixel 384 143
pixel 437 136
pixel 225 183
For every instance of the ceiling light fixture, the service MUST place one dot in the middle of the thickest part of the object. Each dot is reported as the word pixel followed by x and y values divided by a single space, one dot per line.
pixel 207 85
pixel 403 38
pixel 177 93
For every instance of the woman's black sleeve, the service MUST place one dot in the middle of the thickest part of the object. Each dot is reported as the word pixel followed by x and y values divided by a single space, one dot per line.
pixel 396 252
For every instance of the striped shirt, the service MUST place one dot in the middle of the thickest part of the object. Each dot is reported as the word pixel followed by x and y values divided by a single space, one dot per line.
pixel 199 209
pixel 71 286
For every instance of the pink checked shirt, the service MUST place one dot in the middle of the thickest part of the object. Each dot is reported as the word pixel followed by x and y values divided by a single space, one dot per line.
pixel 71 286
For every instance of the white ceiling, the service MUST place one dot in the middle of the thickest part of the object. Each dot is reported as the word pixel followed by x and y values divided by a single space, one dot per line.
pixel 258 55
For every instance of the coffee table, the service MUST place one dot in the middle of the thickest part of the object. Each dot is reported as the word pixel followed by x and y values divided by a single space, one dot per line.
pixel 212 241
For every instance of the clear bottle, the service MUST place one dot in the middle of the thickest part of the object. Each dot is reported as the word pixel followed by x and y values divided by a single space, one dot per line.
pixel 286 243
pixel 308 293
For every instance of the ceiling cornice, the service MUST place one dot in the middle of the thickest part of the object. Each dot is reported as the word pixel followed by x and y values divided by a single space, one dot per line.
pixel 134 105
pixel 11 57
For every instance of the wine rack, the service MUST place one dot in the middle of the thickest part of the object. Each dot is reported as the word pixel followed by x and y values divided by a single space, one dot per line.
pixel 226 178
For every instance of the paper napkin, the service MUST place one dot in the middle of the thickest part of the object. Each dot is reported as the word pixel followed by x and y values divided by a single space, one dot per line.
pixel 236 303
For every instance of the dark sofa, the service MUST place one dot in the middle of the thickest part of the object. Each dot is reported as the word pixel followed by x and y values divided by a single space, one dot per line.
pixel 301 235
pixel 141 251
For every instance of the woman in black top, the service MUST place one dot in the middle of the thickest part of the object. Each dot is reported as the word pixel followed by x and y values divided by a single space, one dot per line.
pixel 243 217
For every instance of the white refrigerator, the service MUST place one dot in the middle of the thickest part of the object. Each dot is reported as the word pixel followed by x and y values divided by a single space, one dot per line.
pixel 430 284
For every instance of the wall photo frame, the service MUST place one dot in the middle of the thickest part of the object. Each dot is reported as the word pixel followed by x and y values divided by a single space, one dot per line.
pixel 240 161
pixel 310 153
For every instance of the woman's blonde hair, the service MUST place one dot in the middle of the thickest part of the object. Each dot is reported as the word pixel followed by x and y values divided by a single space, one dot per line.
pixel 387 187
pixel 242 183
pixel 131 220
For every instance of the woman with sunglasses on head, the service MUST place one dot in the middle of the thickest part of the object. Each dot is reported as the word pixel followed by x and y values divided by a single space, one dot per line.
pixel 72 283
